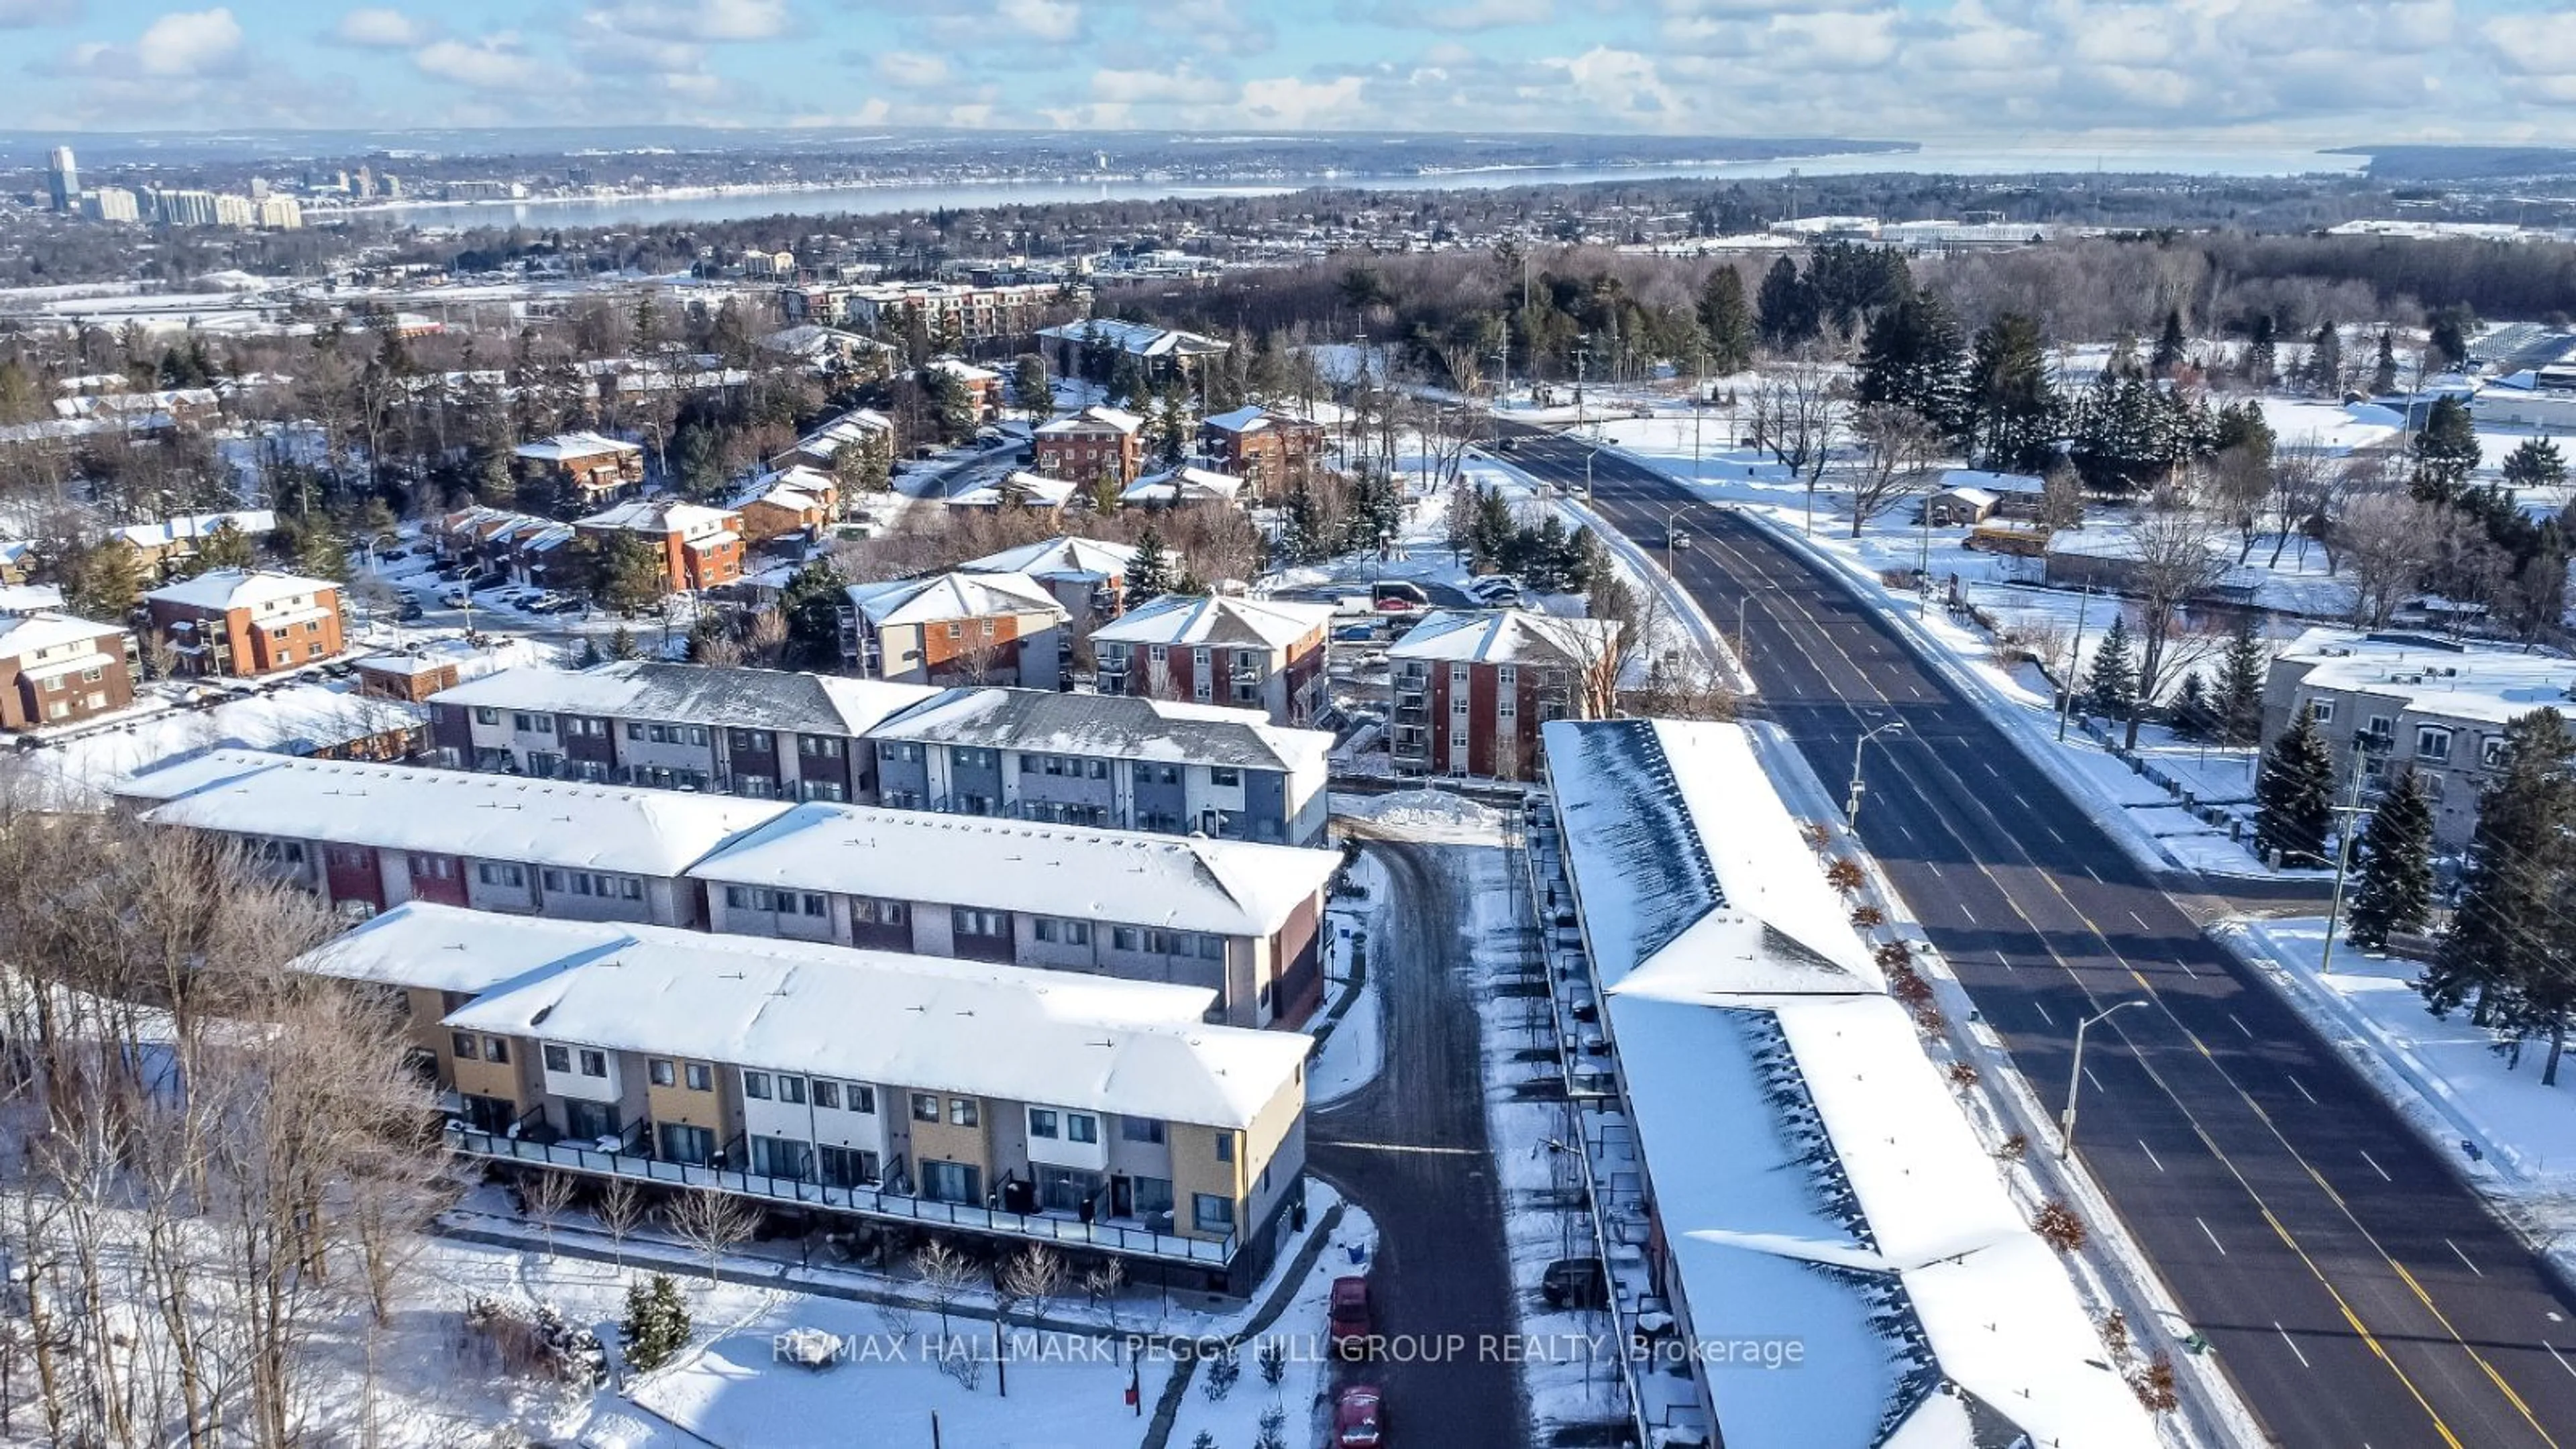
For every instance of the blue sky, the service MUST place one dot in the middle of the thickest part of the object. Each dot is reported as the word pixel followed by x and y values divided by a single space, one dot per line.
pixel 2330 71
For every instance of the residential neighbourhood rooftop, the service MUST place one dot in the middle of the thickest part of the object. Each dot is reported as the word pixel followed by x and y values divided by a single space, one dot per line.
pixel 942 597
pixel 448 812
pixel 1215 619
pixel 22 634
pixel 1134 338
pixel 1232 888
pixel 729 696
pixel 1088 1042
pixel 2436 676
pixel 564 446
pixel 659 515
pixel 1122 726
pixel 1092 419
pixel 1506 636
pixel 1020 485
pixel 1187 484
pixel 1057 558
pixel 251 521
pixel 226 589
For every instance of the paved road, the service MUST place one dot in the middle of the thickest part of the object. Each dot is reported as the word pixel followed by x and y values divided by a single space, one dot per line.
pixel 1411 1149
pixel 2355 1290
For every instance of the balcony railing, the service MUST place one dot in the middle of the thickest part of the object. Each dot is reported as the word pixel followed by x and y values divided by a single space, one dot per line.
pixel 867 1201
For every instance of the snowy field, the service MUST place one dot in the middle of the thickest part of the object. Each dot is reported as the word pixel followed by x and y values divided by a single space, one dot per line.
pixel 2444 1075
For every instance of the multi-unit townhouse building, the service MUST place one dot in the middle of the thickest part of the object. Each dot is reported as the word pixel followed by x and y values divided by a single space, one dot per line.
pixel 1079 759
pixel 166 547
pixel 1240 919
pixel 1468 689
pixel 1097 442
pixel 1270 451
pixel 55 669
pixel 368 837
pixel 798 499
pixel 982 385
pixel 955 628
pixel 1087 575
pixel 1091 348
pixel 764 733
pixel 1264 654
pixel 865 429
pixel 244 624
pixel 981 1099
pixel 522 546
pixel 2396 701
pixel 1121 762
pixel 698 547
pixel 1187 486
pixel 584 470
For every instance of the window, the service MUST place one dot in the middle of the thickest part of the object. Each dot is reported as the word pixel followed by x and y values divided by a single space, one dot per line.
pixel 2321 710
pixel 495 873
pixel 1062 933
pixel 2432 742
pixel 464 1045
pixel 814 905
pixel 956 631
pixel 822 747
pixel 791 1090
pixel 966 921
pixel 1210 1213
pixel 594 1064
pixel 866 911
pixel 827 1095
pixel 486 715
pixel 1140 1129
pixel 1225 1147
pixel 1211 948
pixel 925 1107
pixel 1506 707
pixel 1042 1123
pixel 862 1097
pixel 1081 1127
pixel 1225 777
pixel 2491 751
pixel 662 1072
pixel 1095 769
pixel 700 1077
pixel 847 1167
pixel 755 1085
pixel 2381 728
pixel 558 1058
pixel 1122 938
pixel 963 1112
pixel 496 1049
pixel 634 731
pixel 988 628
pixel 753 740
pixel 1153 1195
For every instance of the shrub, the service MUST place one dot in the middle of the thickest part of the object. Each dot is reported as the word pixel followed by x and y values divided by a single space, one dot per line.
pixel 2059 1227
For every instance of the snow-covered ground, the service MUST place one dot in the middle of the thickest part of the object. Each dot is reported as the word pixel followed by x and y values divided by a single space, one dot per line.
pixel 1298 1340
pixel 2445 1076
pixel 1353 1048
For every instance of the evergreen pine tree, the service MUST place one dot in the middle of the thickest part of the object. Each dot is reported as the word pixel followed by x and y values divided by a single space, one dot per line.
pixel 656 1324
pixel 1491 537
pixel 1915 358
pixel 2323 371
pixel 2013 410
pixel 2111 685
pixel 2294 796
pixel 1727 320
pixel 2393 880
pixel 2508 950
pixel 2535 463
pixel 2383 372
pixel 2238 704
pixel 622 645
pixel 2190 713
pixel 2169 344
pixel 2446 451
pixel 1786 305
pixel 2262 349
pixel 1149 573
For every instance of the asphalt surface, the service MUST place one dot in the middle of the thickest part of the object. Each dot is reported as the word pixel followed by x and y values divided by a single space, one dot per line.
pixel 2351 1285
pixel 1411 1149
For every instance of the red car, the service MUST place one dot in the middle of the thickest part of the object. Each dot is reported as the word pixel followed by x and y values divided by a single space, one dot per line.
pixel 1359 1418
pixel 1350 1323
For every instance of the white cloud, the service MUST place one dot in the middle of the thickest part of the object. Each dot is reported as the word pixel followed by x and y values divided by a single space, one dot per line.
pixel 1302 104
pixel 911 70
pixel 1053 20
pixel 378 28
pixel 700 20
pixel 189 43
pixel 493 63
pixel 1181 85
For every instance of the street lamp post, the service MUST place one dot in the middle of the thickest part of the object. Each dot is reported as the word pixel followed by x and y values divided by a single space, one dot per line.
pixel 1851 804
pixel 2075 1076
pixel 1699 404
pixel 1672 517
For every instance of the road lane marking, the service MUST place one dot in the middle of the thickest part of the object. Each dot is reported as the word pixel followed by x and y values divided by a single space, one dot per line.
pixel 1963 910
pixel 2293 1343
pixel 2213 1238
pixel 2151 1154
pixel 2240 1026
pixel 2043 1013
pixel 2141 920
pixel 2463 1257
pixel 2375 1167
pixel 2007 960
pixel 2303 1090
pixel 2091 1081
pixel 2562 1358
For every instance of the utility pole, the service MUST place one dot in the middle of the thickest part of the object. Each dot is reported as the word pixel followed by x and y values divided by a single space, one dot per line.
pixel 1582 364
pixel 2074 659
pixel 2075 1077
pixel 1851 803
pixel 2351 811
pixel 1699 403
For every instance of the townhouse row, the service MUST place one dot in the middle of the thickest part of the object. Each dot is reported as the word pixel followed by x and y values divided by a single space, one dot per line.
pixel 1237 920
pixel 1102 760
pixel 989 1100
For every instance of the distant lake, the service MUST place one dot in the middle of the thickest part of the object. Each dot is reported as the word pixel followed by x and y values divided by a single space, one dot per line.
pixel 915 198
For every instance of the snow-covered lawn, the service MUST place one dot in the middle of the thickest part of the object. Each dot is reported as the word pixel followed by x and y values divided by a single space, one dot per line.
pixel 1424 814
pixel 1353 1048
pixel 2445 1075
pixel 1303 1395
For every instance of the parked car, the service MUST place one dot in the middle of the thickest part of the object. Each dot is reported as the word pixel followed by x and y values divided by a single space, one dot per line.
pixel 1359 1418
pixel 485 585
pixel 1348 1320
pixel 1385 591
pixel 409 611
pixel 456 598
pixel 1575 1283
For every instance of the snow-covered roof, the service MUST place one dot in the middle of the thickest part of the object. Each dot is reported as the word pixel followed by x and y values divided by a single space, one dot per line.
pixel 662 516
pixel 1995 485
pixel 961 370
pixel 1250 418
pixel 564 447
pixel 1058 558
pixel 1065 1039
pixel 26 598
pixel 849 427
pixel 1507 636
pixel 227 589
pixel 25 634
pixel 1091 420
pixel 252 521
pixel 1030 487
pixel 1135 338
pixel 1183 485
pixel 942 597
pixel 2434 676
pixel 1872 1228
pixel 1118 726
pixel 813 340
pixel 718 696
pixel 447 812
pixel 1219 619
pixel 1690 874
pixel 1230 888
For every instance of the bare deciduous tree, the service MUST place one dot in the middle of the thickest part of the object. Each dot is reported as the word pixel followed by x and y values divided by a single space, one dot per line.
pixel 549 1196
pixel 1897 447
pixel 2176 561
pixel 1797 406
pixel 2388 540
pixel 620 1212
pixel 713 1223
pixel 945 1275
